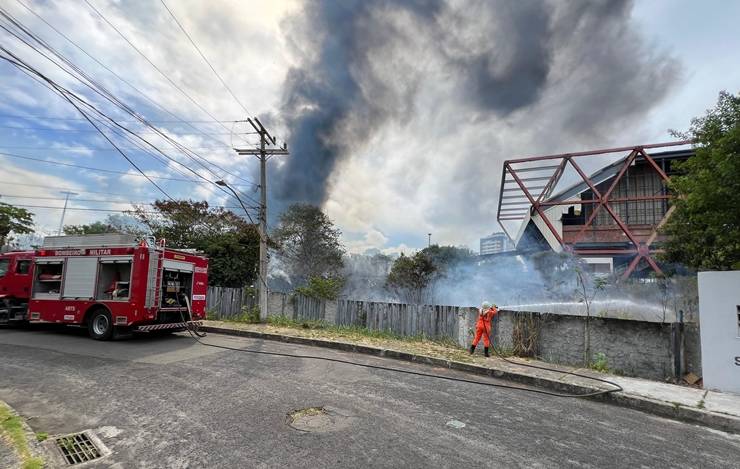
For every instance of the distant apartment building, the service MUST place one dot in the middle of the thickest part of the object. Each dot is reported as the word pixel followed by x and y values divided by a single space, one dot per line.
pixel 495 243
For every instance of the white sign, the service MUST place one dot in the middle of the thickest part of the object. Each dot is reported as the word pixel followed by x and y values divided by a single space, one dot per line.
pixel 719 323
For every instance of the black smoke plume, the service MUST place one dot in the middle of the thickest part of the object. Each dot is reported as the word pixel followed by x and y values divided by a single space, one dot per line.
pixel 357 72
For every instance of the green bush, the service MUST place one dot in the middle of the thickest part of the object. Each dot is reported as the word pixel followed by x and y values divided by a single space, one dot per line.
pixel 247 315
pixel 600 363
pixel 322 288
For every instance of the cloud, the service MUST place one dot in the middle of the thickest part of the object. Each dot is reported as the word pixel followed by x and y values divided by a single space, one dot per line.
pixel 368 240
pixel 44 185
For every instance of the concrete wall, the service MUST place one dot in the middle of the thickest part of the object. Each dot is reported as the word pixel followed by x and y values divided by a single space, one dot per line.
pixel 692 349
pixel 634 348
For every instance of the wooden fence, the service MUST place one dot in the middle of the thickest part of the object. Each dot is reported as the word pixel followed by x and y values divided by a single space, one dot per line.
pixel 223 303
pixel 402 319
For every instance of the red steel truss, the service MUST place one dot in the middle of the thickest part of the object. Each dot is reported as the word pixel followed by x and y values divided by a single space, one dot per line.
pixel 531 195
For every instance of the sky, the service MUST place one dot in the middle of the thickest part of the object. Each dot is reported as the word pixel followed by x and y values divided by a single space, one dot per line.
pixel 398 115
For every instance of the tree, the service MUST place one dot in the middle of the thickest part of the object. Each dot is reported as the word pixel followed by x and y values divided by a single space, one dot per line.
pixel 446 258
pixel 97 227
pixel 231 244
pixel 233 257
pixel 410 277
pixel 322 288
pixel 112 224
pixel 185 223
pixel 309 244
pixel 14 219
pixel 704 230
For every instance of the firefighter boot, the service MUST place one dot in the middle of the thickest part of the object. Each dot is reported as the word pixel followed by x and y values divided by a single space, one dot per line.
pixel 485 351
pixel 472 349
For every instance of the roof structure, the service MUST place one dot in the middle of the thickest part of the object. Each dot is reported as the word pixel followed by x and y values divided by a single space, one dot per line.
pixel 528 189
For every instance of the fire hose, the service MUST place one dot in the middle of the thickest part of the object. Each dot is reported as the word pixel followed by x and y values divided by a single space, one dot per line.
pixel 198 335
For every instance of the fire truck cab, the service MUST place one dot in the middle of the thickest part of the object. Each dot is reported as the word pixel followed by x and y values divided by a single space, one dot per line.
pixel 16 271
pixel 113 281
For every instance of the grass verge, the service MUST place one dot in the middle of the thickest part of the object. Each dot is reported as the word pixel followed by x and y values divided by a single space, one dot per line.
pixel 420 344
pixel 11 428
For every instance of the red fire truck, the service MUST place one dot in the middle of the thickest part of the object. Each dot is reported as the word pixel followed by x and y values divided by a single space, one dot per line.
pixel 16 269
pixel 113 281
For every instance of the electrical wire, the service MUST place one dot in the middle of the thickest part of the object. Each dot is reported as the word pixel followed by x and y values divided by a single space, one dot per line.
pixel 109 70
pixel 48 82
pixel 87 209
pixel 164 75
pixel 204 58
pixel 83 147
pixel 98 88
pixel 154 121
pixel 54 129
pixel 106 201
pixel 89 168
pixel 13 183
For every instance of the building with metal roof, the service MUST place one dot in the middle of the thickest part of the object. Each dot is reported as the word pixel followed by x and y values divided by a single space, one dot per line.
pixel 606 206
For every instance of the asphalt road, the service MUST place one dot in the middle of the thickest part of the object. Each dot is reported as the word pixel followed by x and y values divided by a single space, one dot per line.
pixel 169 402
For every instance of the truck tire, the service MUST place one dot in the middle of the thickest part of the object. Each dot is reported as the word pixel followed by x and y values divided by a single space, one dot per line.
pixel 100 325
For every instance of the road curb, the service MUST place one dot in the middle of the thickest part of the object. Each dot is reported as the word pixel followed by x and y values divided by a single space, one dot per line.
pixel 34 446
pixel 676 411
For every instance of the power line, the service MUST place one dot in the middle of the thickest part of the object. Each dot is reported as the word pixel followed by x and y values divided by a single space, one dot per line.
pixel 66 95
pixel 164 75
pixel 108 201
pixel 98 88
pixel 13 183
pixel 56 118
pixel 138 117
pixel 102 91
pixel 83 147
pixel 83 209
pixel 109 70
pixel 205 59
pixel 89 168
pixel 54 129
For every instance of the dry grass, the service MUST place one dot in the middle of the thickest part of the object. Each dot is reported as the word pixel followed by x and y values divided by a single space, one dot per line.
pixel 447 350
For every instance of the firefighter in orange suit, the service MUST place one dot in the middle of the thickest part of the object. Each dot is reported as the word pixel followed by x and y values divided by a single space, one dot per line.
pixel 483 326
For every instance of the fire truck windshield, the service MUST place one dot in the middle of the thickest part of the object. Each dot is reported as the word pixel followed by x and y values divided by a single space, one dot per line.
pixel 4 266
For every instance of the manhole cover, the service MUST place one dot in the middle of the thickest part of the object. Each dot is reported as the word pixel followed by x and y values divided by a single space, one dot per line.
pixel 318 420
pixel 77 448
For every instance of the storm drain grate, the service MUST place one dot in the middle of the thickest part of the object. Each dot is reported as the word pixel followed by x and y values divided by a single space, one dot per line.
pixel 77 448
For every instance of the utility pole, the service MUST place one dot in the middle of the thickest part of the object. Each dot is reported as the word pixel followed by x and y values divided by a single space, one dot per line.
pixel 263 153
pixel 429 244
pixel 64 210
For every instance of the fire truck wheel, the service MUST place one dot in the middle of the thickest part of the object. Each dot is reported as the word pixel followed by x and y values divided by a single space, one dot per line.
pixel 100 325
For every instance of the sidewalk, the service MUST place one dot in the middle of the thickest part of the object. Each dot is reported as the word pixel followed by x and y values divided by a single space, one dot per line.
pixel 713 409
